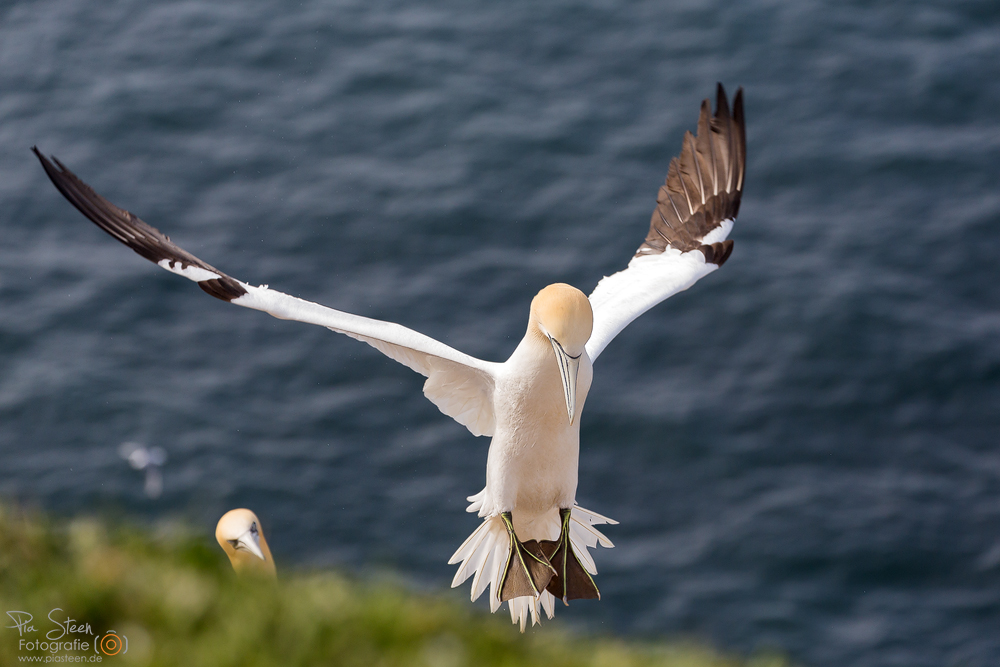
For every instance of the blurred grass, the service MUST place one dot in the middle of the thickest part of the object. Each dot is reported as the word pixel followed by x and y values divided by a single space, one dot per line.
pixel 175 597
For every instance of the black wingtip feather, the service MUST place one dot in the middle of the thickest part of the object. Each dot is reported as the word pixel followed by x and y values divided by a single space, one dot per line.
pixel 223 287
pixel 145 240
pixel 704 183
pixel 717 253
pixel 721 101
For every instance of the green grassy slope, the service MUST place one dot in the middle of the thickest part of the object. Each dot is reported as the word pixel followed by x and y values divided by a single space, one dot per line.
pixel 177 601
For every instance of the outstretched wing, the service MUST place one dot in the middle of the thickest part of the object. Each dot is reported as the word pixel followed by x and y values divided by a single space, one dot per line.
pixel 695 211
pixel 459 384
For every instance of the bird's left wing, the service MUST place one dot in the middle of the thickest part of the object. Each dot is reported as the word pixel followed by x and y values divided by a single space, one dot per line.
pixel 695 211
pixel 459 384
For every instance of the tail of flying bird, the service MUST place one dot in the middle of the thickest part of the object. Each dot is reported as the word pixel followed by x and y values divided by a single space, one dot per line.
pixel 484 557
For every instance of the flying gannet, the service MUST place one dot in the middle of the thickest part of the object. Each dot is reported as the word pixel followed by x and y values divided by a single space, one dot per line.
pixel 532 546
pixel 241 536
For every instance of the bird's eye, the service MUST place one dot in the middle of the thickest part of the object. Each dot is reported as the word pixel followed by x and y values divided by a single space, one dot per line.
pixel 253 527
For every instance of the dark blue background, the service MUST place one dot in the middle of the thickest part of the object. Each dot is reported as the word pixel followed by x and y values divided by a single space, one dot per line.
pixel 802 449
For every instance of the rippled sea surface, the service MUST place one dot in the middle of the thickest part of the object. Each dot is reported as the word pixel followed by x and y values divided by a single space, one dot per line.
pixel 802 449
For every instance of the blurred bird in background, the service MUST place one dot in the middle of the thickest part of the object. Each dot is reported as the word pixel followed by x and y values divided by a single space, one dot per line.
pixel 241 536
pixel 150 459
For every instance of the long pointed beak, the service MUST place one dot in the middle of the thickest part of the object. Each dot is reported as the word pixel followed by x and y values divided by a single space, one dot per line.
pixel 248 542
pixel 569 367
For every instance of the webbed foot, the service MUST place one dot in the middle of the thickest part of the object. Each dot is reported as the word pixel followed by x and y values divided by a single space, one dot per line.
pixel 528 571
pixel 571 581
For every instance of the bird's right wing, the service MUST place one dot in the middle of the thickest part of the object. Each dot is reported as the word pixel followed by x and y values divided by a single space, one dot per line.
pixel 695 211
pixel 460 385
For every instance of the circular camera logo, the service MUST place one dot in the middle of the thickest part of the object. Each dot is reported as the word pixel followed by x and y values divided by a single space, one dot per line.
pixel 111 643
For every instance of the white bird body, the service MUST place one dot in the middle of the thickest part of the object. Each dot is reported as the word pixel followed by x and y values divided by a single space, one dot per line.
pixel 532 528
pixel 533 459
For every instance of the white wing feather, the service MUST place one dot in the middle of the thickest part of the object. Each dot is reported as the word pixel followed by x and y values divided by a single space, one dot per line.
pixel 460 385
pixel 649 279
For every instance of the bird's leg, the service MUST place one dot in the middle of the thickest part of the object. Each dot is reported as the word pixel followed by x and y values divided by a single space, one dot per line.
pixel 527 572
pixel 571 581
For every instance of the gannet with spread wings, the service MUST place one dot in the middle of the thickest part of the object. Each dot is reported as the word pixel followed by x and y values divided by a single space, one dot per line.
pixel 532 546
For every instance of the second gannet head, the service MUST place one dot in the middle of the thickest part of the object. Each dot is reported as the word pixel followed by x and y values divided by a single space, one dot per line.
pixel 562 314
pixel 241 537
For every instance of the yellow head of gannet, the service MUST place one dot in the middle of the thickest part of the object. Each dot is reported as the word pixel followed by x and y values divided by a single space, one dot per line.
pixel 562 314
pixel 240 535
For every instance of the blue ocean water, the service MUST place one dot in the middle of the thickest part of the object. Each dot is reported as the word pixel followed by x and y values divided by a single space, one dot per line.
pixel 801 450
